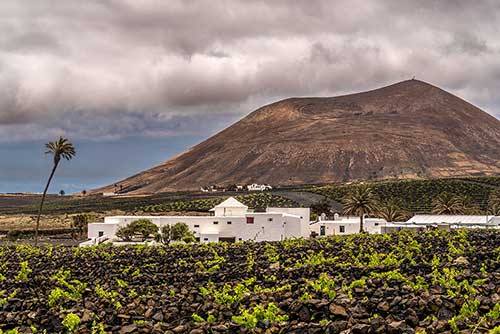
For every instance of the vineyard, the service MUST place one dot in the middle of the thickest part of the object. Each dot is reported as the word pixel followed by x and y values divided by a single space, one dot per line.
pixel 254 200
pixel 488 180
pixel 154 203
pixel 431 282
pixel 417 195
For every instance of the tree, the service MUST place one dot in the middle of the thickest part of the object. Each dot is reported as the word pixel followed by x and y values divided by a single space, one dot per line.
pixel 125 233
pixel 144 227
pixel 180 231
pixel 447 204
pixel 61 148
pixel 359 202
pixel 166 234
pixel 84 192
pixel 468 207
pixel 188 238
pixel 494 209
pixel 80 222
pixel 494 203
pixel 391 211
pixel 62 192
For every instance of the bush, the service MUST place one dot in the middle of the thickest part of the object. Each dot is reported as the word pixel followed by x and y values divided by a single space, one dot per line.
pixel 125 233
pixel 144 227
pixel 166 234
pixel 179 231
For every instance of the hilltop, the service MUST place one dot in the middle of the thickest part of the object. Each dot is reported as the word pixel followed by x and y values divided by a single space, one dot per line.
pixel 407 130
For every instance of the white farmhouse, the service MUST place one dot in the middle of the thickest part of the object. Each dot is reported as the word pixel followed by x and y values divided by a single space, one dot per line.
pixel 259 187
pixel 232 221
pixel 346 225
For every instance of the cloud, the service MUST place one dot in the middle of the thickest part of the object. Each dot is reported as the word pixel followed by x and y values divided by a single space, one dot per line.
pixel 114 69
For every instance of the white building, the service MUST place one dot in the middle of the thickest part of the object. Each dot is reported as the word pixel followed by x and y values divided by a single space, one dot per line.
pixel 259 187
pixel 232 221
pixel 346 225
pixel 350 225
pixel 455 221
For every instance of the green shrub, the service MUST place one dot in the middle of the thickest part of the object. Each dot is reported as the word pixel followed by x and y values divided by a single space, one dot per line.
pixel 71 322
pixel 268 315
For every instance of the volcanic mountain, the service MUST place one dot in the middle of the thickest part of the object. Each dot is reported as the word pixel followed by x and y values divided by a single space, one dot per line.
pixel 407 130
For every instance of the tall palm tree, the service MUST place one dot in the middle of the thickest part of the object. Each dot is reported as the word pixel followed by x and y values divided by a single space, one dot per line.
pixel 494 209
pixel 494 203
pixel 448 204
pixel 61 148
pixel 391 211
pixel 360 202
pixel 468 206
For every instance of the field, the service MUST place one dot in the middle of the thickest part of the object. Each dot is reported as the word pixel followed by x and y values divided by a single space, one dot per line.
pixel 431 282
pixel 416 195
pixel 19 212
pixel 181 201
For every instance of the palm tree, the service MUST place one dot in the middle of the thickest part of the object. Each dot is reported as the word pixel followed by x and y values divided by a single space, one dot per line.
pixel 61 148
pixel 468 206
pixel 360 202
pixel 494 203
pixel 494 209
pixel 448 204
pixel 391 211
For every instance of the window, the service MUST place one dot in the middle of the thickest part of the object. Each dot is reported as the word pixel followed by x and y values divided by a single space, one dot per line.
pixel 342 228
pixel 205 239
pixel 216 223
pixel 376 224
pixel 229 223
pixel 239 239
pixel 250 220
pixel 195 226
pixel 269 219
pixel 100 233
pixel 322 230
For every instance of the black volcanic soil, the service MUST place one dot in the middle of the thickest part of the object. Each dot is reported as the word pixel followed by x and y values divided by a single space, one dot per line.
pixel 407 130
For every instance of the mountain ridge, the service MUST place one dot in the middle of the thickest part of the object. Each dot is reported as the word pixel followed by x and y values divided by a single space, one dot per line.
pixel 409 129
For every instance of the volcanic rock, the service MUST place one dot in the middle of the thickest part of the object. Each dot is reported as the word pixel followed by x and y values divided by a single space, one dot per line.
pixel 338 311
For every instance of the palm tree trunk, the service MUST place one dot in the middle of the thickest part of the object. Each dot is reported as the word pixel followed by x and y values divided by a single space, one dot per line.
pixel 361 222
pixel 41 203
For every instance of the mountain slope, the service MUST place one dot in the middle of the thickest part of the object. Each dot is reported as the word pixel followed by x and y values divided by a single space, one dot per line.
pixel 407 130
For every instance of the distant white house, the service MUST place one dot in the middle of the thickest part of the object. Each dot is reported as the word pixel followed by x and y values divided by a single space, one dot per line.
pixel 231 221
pixel 259 187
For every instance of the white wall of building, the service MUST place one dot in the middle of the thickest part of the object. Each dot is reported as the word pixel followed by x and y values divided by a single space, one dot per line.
pixel 235 211
pixel 303 213
pixel 100 229
pixel 347 225
pixel 265 226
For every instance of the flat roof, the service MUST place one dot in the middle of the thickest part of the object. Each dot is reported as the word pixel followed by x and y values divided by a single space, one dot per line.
pixel 451 219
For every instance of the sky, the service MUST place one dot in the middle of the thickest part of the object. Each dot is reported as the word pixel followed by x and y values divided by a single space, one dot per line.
pixel 134 82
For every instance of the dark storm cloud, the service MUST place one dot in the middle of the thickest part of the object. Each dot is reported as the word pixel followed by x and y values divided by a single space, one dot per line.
pixel 112 69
